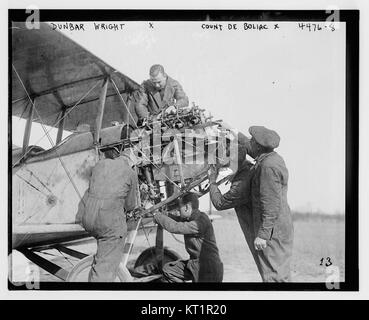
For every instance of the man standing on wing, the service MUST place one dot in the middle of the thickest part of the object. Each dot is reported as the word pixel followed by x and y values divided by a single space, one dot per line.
pixel 204 264
pixel 159 92
pixel 113 188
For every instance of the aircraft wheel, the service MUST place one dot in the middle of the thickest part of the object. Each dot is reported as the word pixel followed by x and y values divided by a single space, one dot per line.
pixel 81 270
pixel 148 256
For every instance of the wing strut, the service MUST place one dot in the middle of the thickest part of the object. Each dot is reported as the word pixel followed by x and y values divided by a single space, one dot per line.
pixel 70 109
pixel 49 138
pixel 27 131
pixel 45 264
pixel 100 112
pixel 179 160
pixel 59 136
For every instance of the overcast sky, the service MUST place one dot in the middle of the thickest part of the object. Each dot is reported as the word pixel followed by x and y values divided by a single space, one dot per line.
pixel 289 80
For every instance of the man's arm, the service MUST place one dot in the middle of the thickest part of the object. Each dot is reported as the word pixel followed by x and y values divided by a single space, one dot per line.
pixel 175 217
pixel 141 107
pixel 270 200
pixel 236 196
pixel 190 227
pixel 179 95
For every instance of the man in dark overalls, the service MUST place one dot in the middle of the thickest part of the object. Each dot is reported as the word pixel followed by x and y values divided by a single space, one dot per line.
pixel 204 264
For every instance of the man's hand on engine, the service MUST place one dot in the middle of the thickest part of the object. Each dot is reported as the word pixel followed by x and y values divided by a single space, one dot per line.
pixel 136 213
pixel 171 110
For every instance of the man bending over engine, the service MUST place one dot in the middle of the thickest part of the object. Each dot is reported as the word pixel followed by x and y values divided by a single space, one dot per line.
pixel 159 92
pixel 204 264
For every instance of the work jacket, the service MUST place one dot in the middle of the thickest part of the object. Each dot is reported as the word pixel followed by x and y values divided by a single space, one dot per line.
pixel 272 217
pixel 239 198
pixel 199 241
pixel 269 186
pixel 152 100
pixel 113 188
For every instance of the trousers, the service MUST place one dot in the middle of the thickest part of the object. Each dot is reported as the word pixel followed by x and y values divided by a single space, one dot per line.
pixel 109 228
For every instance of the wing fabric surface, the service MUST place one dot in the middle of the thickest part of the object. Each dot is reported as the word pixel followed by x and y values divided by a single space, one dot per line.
pixel 57 73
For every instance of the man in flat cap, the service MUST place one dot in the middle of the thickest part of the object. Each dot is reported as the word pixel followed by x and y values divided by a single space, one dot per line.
pixel 259 196
pixel 271 214
pixel 159 92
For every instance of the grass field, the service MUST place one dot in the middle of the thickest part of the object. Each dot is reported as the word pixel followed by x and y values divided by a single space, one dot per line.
pixel 316 237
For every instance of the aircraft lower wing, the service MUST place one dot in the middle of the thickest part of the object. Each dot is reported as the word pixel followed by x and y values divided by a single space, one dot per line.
pixel 39 234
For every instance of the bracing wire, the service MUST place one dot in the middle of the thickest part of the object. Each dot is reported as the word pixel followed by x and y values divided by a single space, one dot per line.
pixel 66 114
pixel 49 138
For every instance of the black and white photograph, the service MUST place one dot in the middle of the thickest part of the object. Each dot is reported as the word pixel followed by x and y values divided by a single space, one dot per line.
pixel 183 149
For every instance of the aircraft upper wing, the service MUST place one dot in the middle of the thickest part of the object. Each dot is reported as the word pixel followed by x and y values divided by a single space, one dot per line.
pixel 56 73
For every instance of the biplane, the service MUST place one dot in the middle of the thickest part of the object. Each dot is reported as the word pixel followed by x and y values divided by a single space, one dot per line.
pixel 57 83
